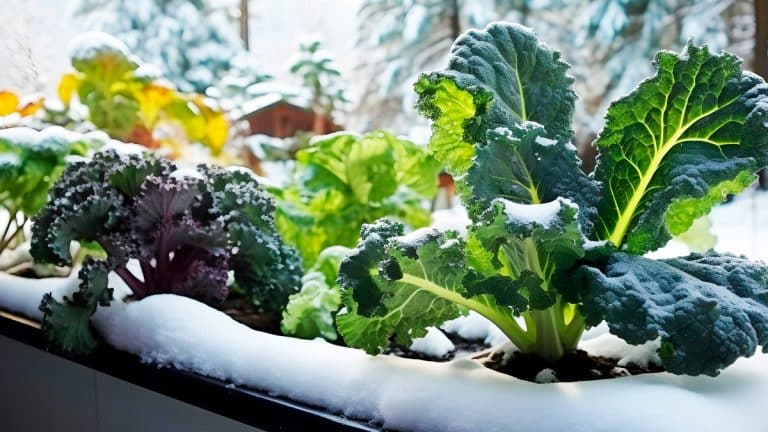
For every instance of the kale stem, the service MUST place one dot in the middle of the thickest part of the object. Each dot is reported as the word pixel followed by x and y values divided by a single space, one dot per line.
pixel 19 227
pixel 149 275
pixel 549 344
pixel 573 330
pixel 12 215
pixel 505 322
pixel 138 288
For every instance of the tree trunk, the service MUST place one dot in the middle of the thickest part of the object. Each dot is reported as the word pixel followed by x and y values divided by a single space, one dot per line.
pixel 456 19
pixel 244 16
pixel 760 64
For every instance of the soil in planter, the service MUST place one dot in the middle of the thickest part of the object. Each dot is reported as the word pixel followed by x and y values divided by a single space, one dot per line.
pixel 463 348
pixel 240 309
pixel 573 366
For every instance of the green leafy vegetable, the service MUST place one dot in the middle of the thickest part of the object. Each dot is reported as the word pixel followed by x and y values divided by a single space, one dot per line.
pixel 498 77
pixel 556 247
pixel 30 161
pixel 677 144
pixel 310 313
pixel 708 310
pixel 397 285
pixel 185 228
pixel 344 180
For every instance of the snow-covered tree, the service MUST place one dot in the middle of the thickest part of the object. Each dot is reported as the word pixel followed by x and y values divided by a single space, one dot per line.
pixel 315 67
pixel 608 42
pixel 193 43
pixel 397 39
pixel 615 38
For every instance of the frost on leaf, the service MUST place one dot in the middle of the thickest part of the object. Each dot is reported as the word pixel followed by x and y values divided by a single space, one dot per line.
pixel 186 232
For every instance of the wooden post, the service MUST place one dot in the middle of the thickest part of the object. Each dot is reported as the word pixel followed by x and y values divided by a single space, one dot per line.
pixel 760 62
pixel 244 33
pixel 761 38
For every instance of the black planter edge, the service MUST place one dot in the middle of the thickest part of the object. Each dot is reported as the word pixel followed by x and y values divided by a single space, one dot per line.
pixel 251 407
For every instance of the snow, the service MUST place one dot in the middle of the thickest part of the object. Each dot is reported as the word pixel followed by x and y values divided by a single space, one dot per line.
pixel 453 396
pixel 23 295
pixel 414 23
pixel 415 238
pixel 539 214
pixel 546 142
pixel 474 326
pixel 20 135
pixel 608 345
pixel 454 218
pixel 546 376
pixel 90 44
pixel 123 148
pixel 9 159
pixel 435 344
pixel 187 173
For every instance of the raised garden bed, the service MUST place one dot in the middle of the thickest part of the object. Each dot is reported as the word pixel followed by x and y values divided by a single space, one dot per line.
pixel 250 407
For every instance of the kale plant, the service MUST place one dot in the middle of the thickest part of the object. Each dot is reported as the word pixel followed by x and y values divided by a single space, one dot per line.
pixel 186 228
pixel 30 161
pixel 563 249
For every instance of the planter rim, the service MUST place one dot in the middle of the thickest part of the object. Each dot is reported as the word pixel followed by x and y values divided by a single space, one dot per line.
pixel 248 406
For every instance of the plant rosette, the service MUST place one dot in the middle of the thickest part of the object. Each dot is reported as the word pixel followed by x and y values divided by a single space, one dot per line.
pixel 551 250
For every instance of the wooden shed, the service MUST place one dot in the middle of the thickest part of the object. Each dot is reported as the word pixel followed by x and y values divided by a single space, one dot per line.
pixel 273 115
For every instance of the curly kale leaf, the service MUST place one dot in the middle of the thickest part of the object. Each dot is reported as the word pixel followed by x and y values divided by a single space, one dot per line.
pixel 530 244
pixel 500 76
pixel 677 145
pixel 68 324
pixel 185 228
pixel 266 269
pixel 522 165
pixel 708 310
pixel 395 286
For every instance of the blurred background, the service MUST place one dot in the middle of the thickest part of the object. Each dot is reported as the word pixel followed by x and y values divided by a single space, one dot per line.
pixel 354 61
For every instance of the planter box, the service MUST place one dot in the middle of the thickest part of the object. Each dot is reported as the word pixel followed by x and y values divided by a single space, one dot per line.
pixel 113 391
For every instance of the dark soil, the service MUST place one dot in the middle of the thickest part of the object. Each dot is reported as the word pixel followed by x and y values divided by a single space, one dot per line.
pixel 573 366
pixel 240 309
pixel 464 348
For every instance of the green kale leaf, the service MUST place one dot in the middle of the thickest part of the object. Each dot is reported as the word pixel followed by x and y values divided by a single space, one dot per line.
pixel 677 145
pixel 500 76
pixel 708 309
pixel 310 313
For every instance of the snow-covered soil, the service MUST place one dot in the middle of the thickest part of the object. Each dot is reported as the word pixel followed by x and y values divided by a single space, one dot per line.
pixel 460 395
pixel 416 395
